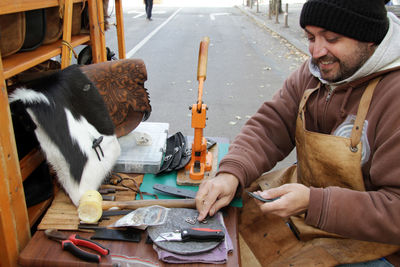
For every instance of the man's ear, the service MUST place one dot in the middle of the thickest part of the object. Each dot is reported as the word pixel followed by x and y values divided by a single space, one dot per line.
pixel 372 45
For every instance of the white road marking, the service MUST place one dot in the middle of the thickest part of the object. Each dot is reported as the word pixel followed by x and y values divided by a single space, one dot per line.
pixel 212 15
pixel 139 14
pixel 148 37
pixel 133 11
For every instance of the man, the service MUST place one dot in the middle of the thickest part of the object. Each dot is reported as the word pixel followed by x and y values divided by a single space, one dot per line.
pixel 347 137
pixel 148 8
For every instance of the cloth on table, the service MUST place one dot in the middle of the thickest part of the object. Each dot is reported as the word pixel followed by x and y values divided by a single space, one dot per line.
pixel 218 255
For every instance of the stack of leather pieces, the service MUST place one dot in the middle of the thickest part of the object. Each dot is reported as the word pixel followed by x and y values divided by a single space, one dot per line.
pixel 178 153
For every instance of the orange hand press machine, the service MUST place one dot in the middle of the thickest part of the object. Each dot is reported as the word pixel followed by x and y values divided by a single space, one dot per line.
pixel 201 160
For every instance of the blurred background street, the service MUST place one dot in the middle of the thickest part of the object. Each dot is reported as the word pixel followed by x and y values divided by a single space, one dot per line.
pixel 249 57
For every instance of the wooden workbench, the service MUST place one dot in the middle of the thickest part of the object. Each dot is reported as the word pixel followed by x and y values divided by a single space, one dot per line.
pixel 42 251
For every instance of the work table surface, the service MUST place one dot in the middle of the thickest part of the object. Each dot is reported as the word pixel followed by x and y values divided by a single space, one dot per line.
pixel 42 251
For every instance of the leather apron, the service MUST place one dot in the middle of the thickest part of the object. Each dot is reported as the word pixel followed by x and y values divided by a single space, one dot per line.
pixel 323 160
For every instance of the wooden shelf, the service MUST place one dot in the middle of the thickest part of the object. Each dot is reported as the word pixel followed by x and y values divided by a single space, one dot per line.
pixel 37 210
pixel 13 6
pixel 30 162
pixel 22 61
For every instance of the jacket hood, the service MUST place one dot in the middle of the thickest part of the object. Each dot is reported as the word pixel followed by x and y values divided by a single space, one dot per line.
pixel 386 55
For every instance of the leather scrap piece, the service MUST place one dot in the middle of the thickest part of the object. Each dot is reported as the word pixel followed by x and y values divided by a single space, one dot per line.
pixel 177 154
pixel 178 151
pixel 186 155
pixel 169 154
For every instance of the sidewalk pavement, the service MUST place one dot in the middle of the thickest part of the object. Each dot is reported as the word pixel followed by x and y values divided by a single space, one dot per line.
pixel 293 33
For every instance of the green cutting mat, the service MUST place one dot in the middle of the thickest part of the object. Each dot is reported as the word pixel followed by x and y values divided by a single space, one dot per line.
pixel 170 179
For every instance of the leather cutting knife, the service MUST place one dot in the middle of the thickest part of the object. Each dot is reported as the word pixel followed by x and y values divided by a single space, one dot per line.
pixel 193 234
pixel 171 190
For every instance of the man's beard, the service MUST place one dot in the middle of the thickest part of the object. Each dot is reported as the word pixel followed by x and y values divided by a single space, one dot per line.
pixel 347 66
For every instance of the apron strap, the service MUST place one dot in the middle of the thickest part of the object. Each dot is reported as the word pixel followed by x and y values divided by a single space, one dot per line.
pixel 304 100
pixel 362 111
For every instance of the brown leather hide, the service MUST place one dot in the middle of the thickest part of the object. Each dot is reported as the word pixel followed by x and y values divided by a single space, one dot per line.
pixel 121 84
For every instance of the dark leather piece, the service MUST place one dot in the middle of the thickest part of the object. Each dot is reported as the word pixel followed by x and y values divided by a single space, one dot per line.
pixel 169 153
pixel 171 190
pixel 130 234
pixel 178 151
pixel 177 154
pixel 121 84
pixel 186 155
pixel 35 29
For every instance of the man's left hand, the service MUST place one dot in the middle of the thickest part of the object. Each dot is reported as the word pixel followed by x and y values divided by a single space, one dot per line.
pixel 293 199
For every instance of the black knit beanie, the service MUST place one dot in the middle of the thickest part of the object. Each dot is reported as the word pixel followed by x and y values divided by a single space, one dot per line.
pixel 363 20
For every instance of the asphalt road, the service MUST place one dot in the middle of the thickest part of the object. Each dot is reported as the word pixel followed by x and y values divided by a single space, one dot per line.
pixel 246 64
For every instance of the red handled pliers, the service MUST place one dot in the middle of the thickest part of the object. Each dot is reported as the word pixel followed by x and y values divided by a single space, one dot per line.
pixel 71 242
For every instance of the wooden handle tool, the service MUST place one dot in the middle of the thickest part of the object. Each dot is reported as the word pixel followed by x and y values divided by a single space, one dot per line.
pixel 135 204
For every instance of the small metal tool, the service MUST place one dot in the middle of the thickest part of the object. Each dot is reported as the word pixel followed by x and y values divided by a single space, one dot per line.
pixel 261 198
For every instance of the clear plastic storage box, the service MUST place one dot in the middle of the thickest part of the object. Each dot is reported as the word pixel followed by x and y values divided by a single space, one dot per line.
pixel 142 149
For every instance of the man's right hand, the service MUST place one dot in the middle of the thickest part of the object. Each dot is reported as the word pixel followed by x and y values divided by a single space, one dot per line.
pixel 215 193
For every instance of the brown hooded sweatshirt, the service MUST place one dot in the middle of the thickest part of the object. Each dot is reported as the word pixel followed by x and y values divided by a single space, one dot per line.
pixel 268 137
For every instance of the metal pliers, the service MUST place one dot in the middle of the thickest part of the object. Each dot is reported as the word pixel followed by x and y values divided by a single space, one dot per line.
pixel 71 242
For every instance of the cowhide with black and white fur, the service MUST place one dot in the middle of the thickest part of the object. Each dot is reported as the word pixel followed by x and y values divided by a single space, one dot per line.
pixel 70 115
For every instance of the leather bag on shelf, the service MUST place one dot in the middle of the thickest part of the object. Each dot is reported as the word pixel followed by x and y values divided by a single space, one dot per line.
pixel 54 23
pixel 12 33
pixel 35 25
pixel 54 26
pixel 77 18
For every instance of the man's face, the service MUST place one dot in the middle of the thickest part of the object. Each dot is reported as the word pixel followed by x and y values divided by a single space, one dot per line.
pixel 336 56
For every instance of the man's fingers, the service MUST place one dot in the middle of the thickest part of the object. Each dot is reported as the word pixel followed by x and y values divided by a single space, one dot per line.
pixel 201 195
pixel 215 193
pixel 220 203
pixel 205 199
pixel 209 204
pixel 275 192
pixel 203 207
pixel 294 199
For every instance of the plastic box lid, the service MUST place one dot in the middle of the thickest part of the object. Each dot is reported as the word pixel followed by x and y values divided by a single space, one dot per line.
pixel 142 149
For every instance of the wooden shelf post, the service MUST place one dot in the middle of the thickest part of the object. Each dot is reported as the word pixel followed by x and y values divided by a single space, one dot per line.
pixel 120 29
pixel 14 224
pixel 97 36
pixel 67 28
